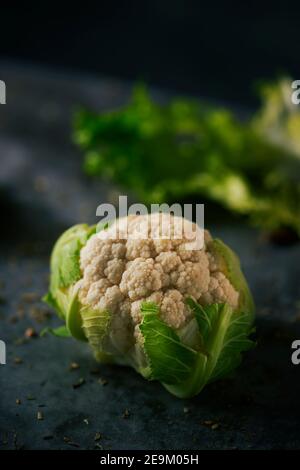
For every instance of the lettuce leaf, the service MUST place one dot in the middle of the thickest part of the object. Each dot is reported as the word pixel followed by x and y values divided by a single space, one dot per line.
pixel 165 153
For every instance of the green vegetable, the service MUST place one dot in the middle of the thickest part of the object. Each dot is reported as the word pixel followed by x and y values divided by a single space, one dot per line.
pixel 60 331
pixel 164 153
pixel 279 118
pixel 170 361
pixel 183 355
pixel 224 336
pixel 65 272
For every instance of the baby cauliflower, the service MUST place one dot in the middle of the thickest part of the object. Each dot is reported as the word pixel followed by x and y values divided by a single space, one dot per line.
pixel 178 315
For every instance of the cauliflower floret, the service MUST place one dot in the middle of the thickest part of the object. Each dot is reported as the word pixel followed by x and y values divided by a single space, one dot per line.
pixel 95 256
pixel 220 290
pixel 89 252
pixel 192 278
pixel 140 279
pixel 118 250
pixel 119 274
pixel 125 308
pixel 114 270
pixel 168 260
pixel 173 309
pixel 139 249
pixel 136 314
pixel 213 265
pixel 162 245
pixel 95 292
pixel 207 237
pixel 110 300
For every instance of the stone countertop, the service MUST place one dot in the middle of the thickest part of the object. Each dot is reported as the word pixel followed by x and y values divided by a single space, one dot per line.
pixel 44 404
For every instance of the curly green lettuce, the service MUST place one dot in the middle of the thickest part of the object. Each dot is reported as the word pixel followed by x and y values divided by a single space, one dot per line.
pixel 164 153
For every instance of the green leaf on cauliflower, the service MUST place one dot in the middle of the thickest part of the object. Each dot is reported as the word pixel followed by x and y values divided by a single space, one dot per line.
pixel 74 321
pixel 95 325
pixel 183 370
pixel 65 257
pixel 229 264
pixel 170 360
pixel 225 335
pixel 60 331
pixel 65 267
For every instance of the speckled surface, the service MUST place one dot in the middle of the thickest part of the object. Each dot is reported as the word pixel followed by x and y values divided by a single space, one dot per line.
pixel 43 191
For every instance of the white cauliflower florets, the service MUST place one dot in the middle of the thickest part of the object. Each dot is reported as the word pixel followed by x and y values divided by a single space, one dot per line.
pixel 140 279
pixel 119 274
pixel 220 290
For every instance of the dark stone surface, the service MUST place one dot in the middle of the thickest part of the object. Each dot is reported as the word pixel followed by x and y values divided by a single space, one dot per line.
pixel 43 191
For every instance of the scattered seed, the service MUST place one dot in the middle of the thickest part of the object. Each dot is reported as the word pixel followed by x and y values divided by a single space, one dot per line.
pixel 18 360
pixel 38 314
pixel 97 436
pixel 126 414
pixel 20 312
pixel 18 401
pixel 15 439
pixel 186 409
pixel 102 381
pixel 20 341
pixel 215 426
pixel 13 319
pixel 86 421
pixel 30 333
pixel 98 446
pixel 208 422
pixel 211 424
pixel 78 384
pixel 74 366
pixel 30 297
pixel 69 441
pixel 40 416
pixel 30 397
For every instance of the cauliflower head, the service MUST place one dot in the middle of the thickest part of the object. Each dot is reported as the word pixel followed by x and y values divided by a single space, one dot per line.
pixel 140 296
